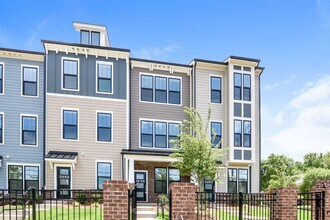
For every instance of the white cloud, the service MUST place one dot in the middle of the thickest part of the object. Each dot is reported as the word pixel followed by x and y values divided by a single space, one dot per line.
pixel 276 85
pixel 157 52
pixel 305 123
pixel 37 29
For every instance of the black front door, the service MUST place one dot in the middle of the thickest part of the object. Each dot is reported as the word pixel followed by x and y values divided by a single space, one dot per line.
pixel 140 186
pixel 63 182
pixel 209 189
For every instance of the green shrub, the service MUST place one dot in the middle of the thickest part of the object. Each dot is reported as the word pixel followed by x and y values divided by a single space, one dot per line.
pixel 311 176
pixel 81 198
pixel 163 199
pixel 96 198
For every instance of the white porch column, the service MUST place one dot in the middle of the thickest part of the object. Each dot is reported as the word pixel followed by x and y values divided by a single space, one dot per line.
pixel 131 171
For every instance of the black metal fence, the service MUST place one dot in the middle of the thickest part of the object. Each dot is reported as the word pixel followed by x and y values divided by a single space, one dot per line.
pixel 230 206
pixel 51 204
pixel 311 206
pixel 164 206
pixel 132 205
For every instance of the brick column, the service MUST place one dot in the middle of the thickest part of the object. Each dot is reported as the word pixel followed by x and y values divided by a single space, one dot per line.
pixel 285 206
pixel 115 200
pixel 183 197
pixel 324 185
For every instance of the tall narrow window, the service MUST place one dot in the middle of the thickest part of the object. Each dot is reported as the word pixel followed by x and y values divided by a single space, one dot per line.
pixel 216 133
pixel 173 176
pixel 146 133
pixel 70 74
pixel 160 135
pixel 161 89
pixel 242 180
pixel 84 37
pixel 1 129
pixel 237 86
pixel 104 78
pixel 29 130
pixel 70 124
pixel 95 38
pixel 174 89
pixel 160 180
pixel 247 134
pixel 215 89
pixel 146 88
pixel 247 87
pixel 173 134
pixel 30 85
pixel 1 79
pixel 103 173
pixel 15 177
pixel 104 127
pixel 31 174
pixel 238 133
pixel 232 180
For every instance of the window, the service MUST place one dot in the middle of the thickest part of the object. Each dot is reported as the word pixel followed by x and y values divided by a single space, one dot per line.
pixel 15 177
pixel 173 134
pixel 31 174
pixel 237 86
pixel 232 180
pixel 30 85
pixel 237 67
pixel 161 89
pixel 95 38
pixel 215 89
pixel 23 177
pixel 104 121
pixel 1 129
pixel 146 88
pixel 160 134
pixel 174 91
pixel 1 79
pixel 247 134
pixel 103 173
pixel 237 183
pixel 104 77
pixel 237 109
pixel 146 133
pixel 247 110
pixel 29 130
pixel 84 37
pixel 216 132
pixel 164 177
pixel 70 74
pixel 247 87
pixel 238 133
pixel 242 180
pixel 70 124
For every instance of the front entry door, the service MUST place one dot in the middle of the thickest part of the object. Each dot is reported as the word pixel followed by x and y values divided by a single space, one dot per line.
pixel 141 186
pixel 209 189
pixel 63 182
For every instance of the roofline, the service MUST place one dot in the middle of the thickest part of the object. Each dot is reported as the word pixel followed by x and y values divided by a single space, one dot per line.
pixel 85 45
pixel 244 58
pixel 208 61
pixel 62 152
pixel 100 25
pixel 146 152
pixel 22 51
pixel 161 62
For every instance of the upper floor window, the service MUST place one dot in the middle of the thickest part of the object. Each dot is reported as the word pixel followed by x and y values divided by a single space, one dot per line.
pixel 247 133
pixel 215 89
pixel 103 173
pixel 90 37
pixel 237 86
pixel 216 133
pixel 84 37
pixel 70 124
pixel 237 183
pixel 1 128
pixel 247 87
pixel 166 90
pixel 160 135
pixel 95 38
pixel 146 133
pixel 23 177
pixel 238 133
pixel 1 79
pixel 30 81
pixel 104 121
pixel 70 75
pixel 173 134
pixel 104 77
pixel 29 130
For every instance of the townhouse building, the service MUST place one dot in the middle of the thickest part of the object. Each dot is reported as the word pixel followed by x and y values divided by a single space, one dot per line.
pixel 21 119
pixel 106 115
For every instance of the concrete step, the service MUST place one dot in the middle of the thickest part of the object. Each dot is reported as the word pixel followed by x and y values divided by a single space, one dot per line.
pixel 146 214
pixel 145 208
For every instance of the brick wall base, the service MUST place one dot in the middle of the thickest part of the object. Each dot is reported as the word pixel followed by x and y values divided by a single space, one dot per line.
pixel 183 200
pixel 324 185
pixel 285 206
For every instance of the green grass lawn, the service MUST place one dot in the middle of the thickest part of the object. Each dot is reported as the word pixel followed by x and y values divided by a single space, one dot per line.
pixel 166 215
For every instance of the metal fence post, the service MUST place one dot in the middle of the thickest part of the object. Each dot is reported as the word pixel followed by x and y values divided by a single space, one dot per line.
pixel 323 205
pixel 33 200
pixel 240 206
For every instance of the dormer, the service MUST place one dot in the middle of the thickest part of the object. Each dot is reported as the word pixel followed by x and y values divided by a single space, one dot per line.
pixel 92 34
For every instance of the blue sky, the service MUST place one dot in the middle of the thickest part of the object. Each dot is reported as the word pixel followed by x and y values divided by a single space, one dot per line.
pixel 292 38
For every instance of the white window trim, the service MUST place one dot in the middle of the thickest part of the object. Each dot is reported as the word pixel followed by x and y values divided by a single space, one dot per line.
pixel 55 175
pixel 78 73
pixel 147 188
pixel 62 121
pixel 37 130
pixel 97 77
pixel 22 80
pixel 3 128
pixel 103 161
pixel 210 88
pixel 3 78
pixel 210 130
pixel 153 132
pixel 21 164
pixel 154 88
pixel 112 130
pixel 237 168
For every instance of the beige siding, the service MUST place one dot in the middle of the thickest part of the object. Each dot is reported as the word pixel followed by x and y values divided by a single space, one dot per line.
pixel 154 110
pixel 84 175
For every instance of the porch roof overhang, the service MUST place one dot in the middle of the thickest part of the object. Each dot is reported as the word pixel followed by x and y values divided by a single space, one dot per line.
pixel 148 155
pixel 61 157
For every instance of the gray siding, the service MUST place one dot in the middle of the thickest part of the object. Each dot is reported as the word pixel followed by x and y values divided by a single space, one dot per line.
pixel 87 76
pixel 13 104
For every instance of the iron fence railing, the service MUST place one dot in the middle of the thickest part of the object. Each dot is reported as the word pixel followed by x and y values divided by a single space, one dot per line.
pixel 311 206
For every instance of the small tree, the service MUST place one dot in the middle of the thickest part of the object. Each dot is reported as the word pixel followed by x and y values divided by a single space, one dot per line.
pixel 195 154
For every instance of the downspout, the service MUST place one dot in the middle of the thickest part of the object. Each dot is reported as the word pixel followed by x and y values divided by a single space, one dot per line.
pixel 44 120
pixel 260 132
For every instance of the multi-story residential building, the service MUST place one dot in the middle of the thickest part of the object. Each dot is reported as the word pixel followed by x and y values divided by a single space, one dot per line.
pixel 21 119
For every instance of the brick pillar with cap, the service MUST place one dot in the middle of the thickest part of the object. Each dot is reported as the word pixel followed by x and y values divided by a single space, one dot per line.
pixel 324 185
pixel 285 206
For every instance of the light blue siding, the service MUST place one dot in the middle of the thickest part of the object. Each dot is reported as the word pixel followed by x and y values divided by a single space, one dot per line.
pixel 12 104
